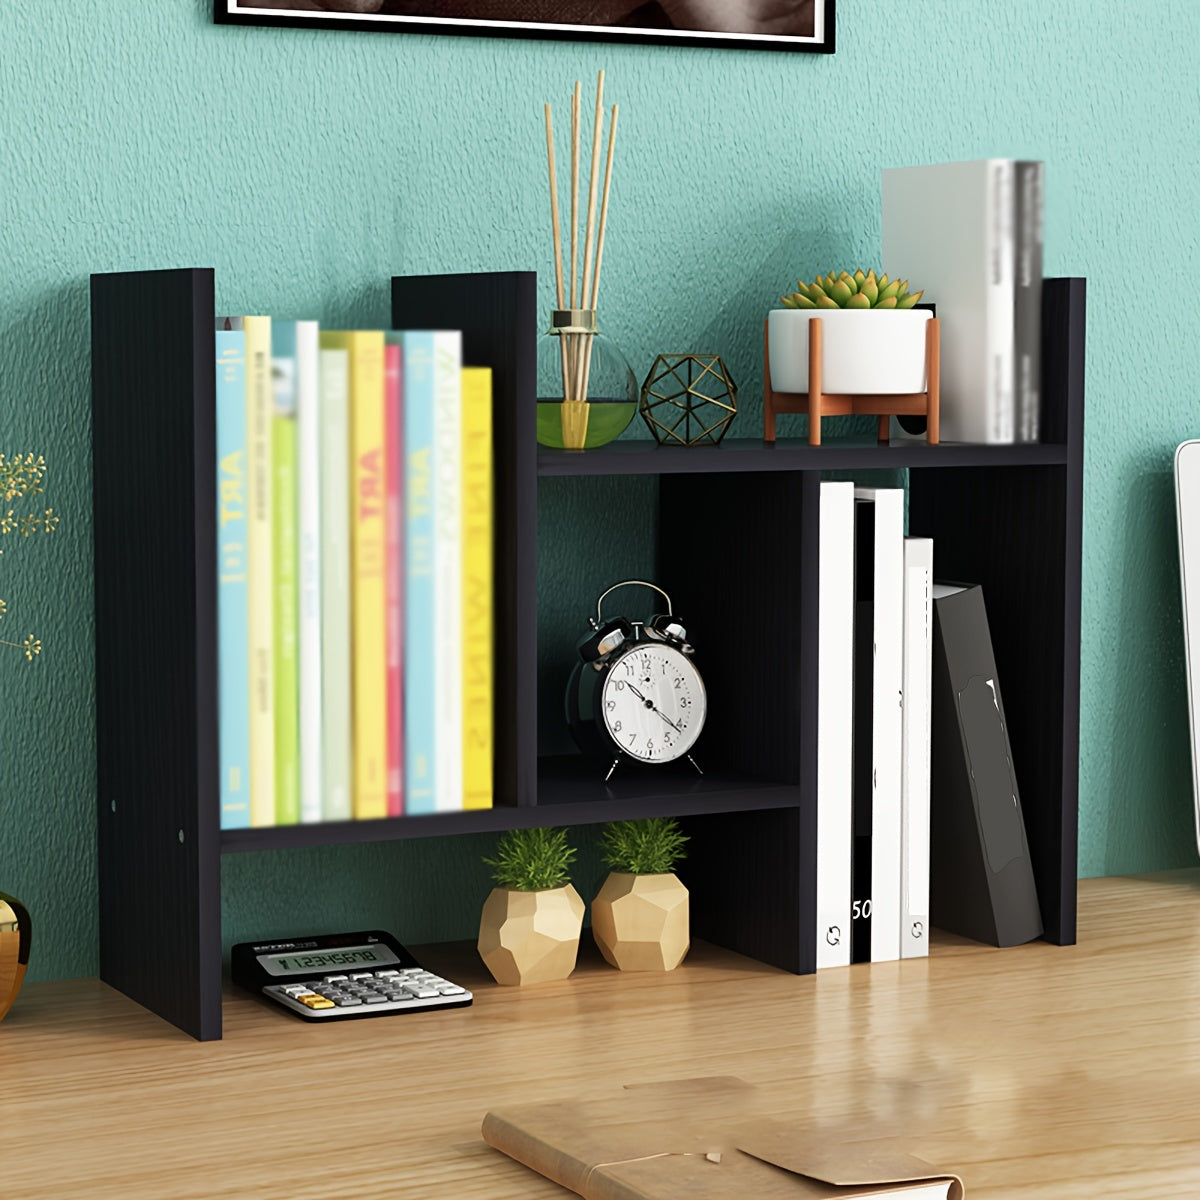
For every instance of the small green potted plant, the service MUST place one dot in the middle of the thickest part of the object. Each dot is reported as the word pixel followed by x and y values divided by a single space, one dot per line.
pixel 530 924
pixel 640 916
pixel 873 336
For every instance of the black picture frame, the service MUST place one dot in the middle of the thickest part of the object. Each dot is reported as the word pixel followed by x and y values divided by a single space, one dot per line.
pixel 422 16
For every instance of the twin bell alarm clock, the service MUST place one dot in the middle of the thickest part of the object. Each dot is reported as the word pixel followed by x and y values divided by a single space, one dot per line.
pixel 635 694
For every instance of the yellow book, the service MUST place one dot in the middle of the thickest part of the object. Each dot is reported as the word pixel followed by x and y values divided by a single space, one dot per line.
pixel 260 574
pixel 368 551
pixel 477 586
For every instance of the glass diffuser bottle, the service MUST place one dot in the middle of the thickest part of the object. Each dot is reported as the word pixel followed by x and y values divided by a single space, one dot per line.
pixel 587 393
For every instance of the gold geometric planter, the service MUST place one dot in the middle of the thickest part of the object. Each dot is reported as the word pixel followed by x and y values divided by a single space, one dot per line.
pixel 530 937
pixel 14 950
pixel 641 922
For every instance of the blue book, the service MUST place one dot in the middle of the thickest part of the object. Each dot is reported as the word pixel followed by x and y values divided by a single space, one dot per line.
pixel 420 708
pixel 233 667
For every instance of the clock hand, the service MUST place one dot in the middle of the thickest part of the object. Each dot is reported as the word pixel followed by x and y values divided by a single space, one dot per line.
pixel 668 720
pixel 635 691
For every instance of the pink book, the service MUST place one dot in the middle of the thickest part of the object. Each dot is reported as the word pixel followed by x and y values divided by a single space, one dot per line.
pixel 393 437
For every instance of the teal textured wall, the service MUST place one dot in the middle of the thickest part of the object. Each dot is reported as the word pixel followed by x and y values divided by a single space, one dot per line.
pixel 308 166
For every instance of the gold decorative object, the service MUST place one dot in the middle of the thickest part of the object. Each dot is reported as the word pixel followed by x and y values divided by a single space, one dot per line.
pixel 688 399
pixel 578 370
pixel 530 937
pixel 20 479
pixel 14 950
pixel 641 922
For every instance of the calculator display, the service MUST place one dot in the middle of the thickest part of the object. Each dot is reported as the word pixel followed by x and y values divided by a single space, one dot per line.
pixel 324 960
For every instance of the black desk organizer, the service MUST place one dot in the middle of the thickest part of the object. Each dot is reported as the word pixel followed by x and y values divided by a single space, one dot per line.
pixel 1009 517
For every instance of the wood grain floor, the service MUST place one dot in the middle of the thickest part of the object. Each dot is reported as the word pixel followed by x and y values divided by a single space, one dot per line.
pixel 1037 1073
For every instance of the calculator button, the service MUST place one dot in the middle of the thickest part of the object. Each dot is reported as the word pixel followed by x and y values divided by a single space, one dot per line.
pixel 374 998
pixel 451 989
pixel 314 1001
pixel 421 992
pixel 348 1001
pixel 385 974
pixel 335 978
pixel 362 975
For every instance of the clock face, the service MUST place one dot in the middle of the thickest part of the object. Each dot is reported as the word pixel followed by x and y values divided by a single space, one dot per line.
pixel 653 703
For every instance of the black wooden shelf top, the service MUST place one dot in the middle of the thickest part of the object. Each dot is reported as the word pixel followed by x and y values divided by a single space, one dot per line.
pixel 647 457
pixel 571 791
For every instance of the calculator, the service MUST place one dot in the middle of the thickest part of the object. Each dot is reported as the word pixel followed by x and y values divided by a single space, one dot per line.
pixel 335 976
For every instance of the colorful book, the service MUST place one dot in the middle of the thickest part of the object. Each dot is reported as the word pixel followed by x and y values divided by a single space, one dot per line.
pixel 285 591
pixel 477 602
pixel 233 672
pixel 393 457
pixel 448 568
pixel 308 508
pixel 420 779
pixel 367 556
pixel 337 758
pixel 259 570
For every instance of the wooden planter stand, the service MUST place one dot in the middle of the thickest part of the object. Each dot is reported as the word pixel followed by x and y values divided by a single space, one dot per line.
pixel 818 404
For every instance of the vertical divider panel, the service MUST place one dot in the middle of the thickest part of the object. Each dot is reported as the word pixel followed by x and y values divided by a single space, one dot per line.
pixel 738 554
pixel 153 462
pixel 497 313
pixel 1017 531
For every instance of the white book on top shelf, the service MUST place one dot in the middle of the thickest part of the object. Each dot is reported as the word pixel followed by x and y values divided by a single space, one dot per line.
pixel 879 598
pixel 835 723
pixel 948 229
pixel 916 715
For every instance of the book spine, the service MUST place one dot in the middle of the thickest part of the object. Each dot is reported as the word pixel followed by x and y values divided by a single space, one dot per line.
pixel 1000 259
pixel 914 794
pixel 1027 303
pixel 393 444
pixel 285 591
pixel 477 699
pixel 448 569
pixel 835 722
pixel 232 634
pixel 260 572
pixel 887 616
pixel 420 679
pixel 336 751
pixel 309 469
pixel 368 548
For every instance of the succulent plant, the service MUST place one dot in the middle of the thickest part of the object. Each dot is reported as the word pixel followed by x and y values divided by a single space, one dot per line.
pixel 852 291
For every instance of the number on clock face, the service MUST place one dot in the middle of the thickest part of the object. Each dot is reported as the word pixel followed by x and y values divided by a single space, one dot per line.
pixel 653 703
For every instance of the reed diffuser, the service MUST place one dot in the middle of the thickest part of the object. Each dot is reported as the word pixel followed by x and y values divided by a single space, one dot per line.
pixel 587 394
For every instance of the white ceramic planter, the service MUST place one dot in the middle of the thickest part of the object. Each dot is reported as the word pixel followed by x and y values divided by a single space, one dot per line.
pixel 865 352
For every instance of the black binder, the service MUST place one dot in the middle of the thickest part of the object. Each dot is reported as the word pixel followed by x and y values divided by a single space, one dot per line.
pixel 981 882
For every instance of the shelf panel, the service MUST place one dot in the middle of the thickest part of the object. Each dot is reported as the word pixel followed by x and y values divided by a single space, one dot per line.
pixel 571 791
pixel 788 454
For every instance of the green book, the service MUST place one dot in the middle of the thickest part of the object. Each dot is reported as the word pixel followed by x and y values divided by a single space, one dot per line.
pixel 286 584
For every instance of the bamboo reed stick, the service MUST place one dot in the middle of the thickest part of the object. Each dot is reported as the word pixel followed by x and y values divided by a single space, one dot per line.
pixel 558 268
pixel 593 182
pixel 574 194
pixel 612 137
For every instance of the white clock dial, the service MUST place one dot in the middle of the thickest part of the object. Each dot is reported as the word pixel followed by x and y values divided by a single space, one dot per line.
pixel 653 703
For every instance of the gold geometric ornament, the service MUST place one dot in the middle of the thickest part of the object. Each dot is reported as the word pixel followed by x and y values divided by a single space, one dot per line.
pixel 688 399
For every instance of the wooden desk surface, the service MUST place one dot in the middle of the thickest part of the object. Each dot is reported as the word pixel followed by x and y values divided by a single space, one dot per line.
pixel 1042 1072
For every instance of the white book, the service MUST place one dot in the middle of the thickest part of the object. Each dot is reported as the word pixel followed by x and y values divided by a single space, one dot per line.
pixel 835 723
pixel 308 473
pixel 916 714
pixel 447 569
pixel 886 590
pixel 948 230
pixel 336 655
